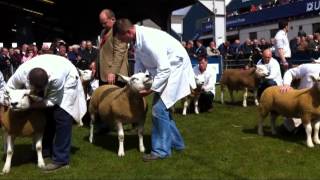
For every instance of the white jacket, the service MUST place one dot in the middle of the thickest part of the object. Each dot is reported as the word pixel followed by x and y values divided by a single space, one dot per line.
pixel 303 72
pixel 274 70
pixel 167 61
pixel 64 86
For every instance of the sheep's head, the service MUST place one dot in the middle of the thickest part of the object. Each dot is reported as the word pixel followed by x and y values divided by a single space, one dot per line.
pixel 19 99
pixel 139 81
pixel 261 70
pixel 200 80
pixel 316 81
pixel 85 75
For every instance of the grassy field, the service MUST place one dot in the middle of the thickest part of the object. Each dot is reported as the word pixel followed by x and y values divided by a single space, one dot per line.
pixel 222 144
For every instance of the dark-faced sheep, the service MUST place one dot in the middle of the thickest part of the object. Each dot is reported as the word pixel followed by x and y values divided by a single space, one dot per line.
pixel 116 106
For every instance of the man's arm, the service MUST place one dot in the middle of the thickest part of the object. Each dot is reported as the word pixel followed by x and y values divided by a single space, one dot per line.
pixel 293 73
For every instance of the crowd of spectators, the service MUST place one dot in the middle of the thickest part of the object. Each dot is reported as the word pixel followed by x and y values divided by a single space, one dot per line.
pixel 80 55
pixel 258 7
pixel 302 46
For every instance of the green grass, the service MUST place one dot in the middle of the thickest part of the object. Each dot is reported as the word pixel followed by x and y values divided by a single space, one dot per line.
pixel 222 144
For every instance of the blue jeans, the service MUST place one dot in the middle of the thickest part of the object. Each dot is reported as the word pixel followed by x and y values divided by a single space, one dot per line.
pixel 165 134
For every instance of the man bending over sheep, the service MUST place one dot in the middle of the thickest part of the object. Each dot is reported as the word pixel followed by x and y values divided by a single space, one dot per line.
pixel 274 78
pixel 168 63
pixel 57 80
pixel 302 72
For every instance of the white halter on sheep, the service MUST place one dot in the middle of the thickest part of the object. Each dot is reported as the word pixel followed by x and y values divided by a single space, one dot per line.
pixel 116 106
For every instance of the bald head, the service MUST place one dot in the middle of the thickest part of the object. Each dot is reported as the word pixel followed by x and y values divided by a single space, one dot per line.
pixel 266 55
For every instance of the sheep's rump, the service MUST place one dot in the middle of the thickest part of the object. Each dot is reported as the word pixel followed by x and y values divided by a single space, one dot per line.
pixel 23 123
pixel 237 79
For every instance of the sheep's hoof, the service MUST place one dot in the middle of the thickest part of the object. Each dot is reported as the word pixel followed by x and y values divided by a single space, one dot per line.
pixel 260 132
pixel 257 103
pixel 5 171
pixel 184 113
pixel 310 145
pixel 41 165
pixel 121 154
pixel 142 149
pixel 196 111
pixel 316 141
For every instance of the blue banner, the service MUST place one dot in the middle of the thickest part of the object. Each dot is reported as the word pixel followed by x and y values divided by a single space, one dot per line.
pixel 273 13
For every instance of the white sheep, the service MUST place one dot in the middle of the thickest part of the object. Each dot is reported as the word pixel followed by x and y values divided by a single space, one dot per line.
pixel 239 79
pixel 195 94
pixel 304 104
pixel 16 121
pixel 116 106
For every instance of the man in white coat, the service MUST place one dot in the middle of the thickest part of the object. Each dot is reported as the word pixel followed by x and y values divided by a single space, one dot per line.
pixel 302 72
pixel 57 80
pixel 168 63
pixel 274 78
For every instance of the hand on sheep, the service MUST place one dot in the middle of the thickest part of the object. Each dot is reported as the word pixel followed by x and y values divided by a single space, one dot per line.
pixel 144 92
pixel 111 78
pixel 285 88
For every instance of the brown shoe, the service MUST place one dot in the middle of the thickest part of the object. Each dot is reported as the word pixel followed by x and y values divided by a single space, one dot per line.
pixel 150 157
pixel 53 167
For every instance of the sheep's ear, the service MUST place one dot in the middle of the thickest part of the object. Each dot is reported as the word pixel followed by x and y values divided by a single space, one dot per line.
pixel 125 78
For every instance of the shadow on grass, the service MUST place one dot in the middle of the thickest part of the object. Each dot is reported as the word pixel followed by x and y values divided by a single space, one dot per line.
pixel 23 154
pixel 298 137
pixel 110 141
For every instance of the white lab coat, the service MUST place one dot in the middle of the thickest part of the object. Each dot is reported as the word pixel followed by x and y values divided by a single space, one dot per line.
pixel 303 72
pixel 167 62
pixel 64 86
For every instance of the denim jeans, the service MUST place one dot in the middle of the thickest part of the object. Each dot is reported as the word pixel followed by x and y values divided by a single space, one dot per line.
pixel 165 134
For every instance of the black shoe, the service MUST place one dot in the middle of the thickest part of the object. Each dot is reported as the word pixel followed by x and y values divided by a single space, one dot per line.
pixel 150 157
pixel 53 167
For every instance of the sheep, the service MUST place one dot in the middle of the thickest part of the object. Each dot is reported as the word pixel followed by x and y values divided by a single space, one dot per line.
pixel 238 79
pixel 304 104
pixel 194 95
pixel 116 106
pixel 16 121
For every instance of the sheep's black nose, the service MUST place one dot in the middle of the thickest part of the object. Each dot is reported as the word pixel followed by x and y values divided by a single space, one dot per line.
pixel 14 104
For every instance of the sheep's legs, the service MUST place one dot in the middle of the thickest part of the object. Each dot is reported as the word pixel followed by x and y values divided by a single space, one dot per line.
pixel 140 135
pixel 260 126
pixel 10 144
pixel 231 95
pixel 316 132
pixel 196 104
pixel 308 129
pixel 273 118
pixel 121 138
pixel 92 117
pixel 38 142
pixel 245 96
pixel 185 106
pixel 255 93
pixel 222 96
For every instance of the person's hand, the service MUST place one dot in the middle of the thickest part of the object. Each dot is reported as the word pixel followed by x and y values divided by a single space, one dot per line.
pixel 285 88
pixel 145 92
pixel 111 78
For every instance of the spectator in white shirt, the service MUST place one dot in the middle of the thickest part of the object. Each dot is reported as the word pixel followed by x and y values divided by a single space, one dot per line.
pixel 208 88
pixel 282 46
pixel 274 78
